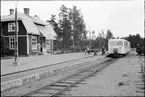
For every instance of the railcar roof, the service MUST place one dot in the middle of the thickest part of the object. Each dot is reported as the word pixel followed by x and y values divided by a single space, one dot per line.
pixel 117 40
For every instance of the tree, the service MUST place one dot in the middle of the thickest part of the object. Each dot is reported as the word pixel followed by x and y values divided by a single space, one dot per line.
pixel 134 40
pixel 4 44
pixel 70 27
pixel 100 40
pixel 55 25
pixel 109 35
pixel 78 26
pixel 65 26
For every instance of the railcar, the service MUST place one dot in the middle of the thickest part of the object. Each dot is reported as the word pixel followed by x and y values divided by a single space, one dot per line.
pixel 118 47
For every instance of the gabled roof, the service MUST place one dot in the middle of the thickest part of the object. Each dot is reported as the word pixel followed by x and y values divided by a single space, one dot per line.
pixel 33 25
pixel 21 16
pixel 51 30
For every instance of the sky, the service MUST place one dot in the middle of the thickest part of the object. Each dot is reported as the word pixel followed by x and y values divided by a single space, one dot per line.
pixel 122 17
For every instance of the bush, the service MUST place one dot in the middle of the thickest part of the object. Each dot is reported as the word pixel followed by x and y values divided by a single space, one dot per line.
pixel 4 46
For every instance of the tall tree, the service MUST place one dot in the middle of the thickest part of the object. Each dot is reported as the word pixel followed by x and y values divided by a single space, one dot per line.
pixel 55 25
pixel 65 26
pixel 109 35
pixel 78 26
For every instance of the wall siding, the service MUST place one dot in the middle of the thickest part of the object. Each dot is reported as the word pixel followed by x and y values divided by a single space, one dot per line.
pixel 22 30
pixel 22 45
pixel 22 38
pixel 31 51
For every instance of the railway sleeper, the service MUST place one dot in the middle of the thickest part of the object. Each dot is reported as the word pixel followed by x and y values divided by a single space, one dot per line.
pixel 65 82
pixel 57 85
pixel 89 71
pixel 61 95
pixel 54 88
pixel 40 92
pixel 80 75
pixel 47 91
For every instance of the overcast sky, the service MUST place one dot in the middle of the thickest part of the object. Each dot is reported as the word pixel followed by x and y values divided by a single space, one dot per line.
pixel 121 17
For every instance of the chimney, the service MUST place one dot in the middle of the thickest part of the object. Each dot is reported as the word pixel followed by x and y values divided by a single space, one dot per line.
pixel 35 16
pixel 11 11
pixel 26 11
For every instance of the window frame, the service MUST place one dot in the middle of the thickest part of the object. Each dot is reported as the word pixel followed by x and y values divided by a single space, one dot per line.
pixel 11 43
pixel 11 25
pixel 34 42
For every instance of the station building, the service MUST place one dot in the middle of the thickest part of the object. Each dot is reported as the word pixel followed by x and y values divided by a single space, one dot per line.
pixel 34 35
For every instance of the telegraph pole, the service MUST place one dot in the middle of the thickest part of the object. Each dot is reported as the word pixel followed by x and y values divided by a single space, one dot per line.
pixel 90 38
pixel 16 37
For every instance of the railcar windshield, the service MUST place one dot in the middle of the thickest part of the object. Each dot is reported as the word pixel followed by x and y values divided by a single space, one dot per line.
pixel 119 43
pixel 115 43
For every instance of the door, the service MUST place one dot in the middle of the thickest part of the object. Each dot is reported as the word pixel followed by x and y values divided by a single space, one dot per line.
pixel 41 47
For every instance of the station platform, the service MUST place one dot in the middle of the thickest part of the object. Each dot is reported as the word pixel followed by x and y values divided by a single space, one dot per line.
pixel 31 62
pixel 52 63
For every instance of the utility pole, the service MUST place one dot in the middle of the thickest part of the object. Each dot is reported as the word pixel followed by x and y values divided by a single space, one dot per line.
pixel 90 38
pixel 16 38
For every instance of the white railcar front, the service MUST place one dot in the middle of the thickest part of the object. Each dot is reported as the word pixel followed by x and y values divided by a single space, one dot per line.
pixel 118 46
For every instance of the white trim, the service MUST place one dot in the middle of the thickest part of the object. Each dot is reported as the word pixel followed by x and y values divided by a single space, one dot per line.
pixel 34 37
pixel 52 46
pixel 13 23
pixel 14 36
pixel 48 44
pixel 28 51
pixel 10 43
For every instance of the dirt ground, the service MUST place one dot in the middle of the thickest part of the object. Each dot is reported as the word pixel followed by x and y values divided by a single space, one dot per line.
pixel 122 78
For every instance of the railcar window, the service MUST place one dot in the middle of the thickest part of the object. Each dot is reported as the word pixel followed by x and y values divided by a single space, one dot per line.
pixel 126 44
pixel 112 43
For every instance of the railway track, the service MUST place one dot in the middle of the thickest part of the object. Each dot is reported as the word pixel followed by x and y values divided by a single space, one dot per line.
pixel 59 87
pixel 27 70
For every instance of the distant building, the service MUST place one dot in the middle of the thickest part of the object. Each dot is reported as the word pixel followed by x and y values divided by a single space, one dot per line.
pixel 34 35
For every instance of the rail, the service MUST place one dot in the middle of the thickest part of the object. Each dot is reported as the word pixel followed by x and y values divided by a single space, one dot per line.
pixel 57 88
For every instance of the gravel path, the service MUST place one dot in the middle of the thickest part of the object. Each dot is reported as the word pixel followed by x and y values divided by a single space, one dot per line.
pixel 122 78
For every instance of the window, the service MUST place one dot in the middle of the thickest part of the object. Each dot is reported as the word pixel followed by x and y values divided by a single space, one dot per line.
pixel 119 43
pixel 11 27
pixel 48 44
pixel 126 44
pixel 112 43
pixel 11 43
pixel 116 43
pixel 34 42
